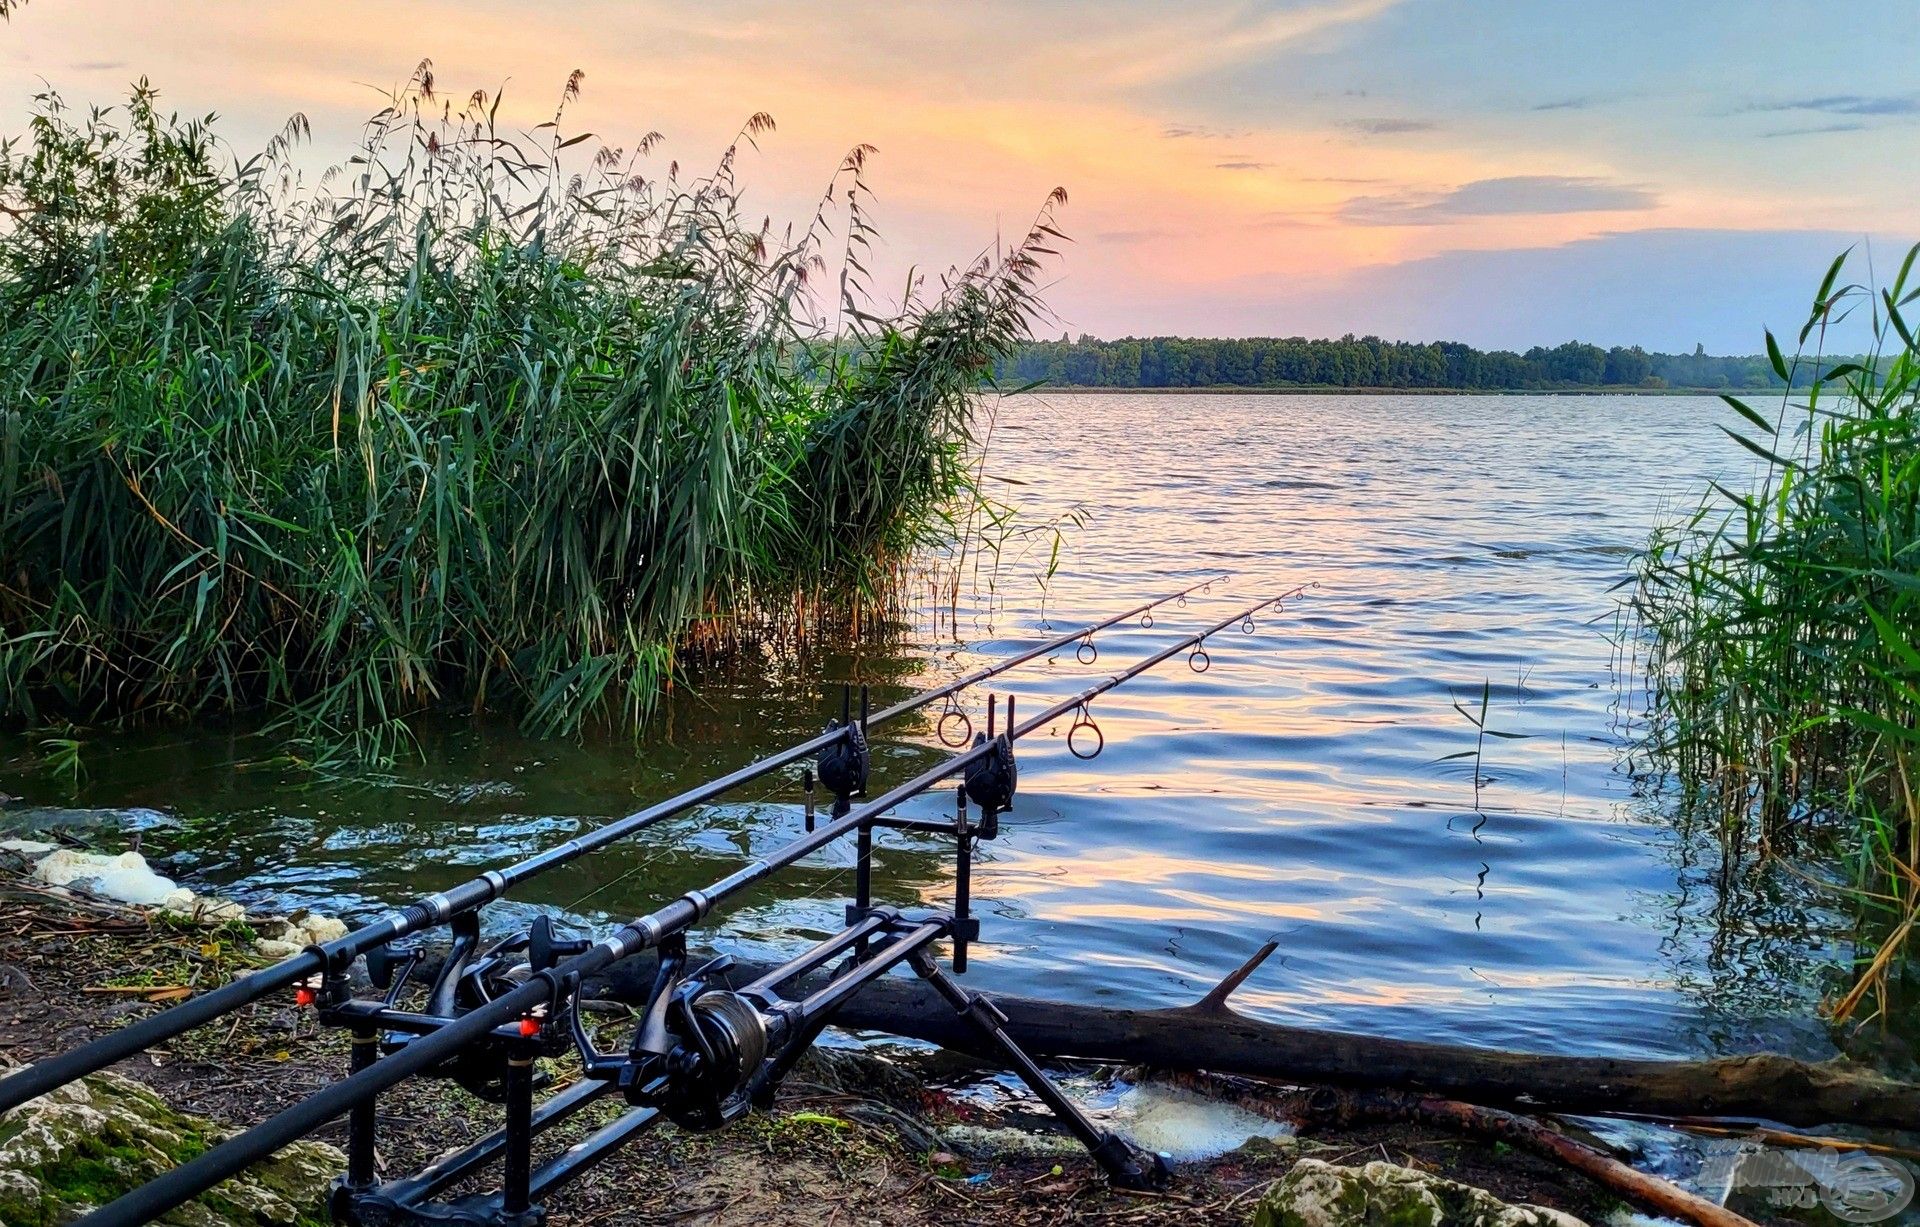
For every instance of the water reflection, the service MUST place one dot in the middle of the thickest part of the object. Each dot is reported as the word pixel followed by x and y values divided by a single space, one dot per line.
pixel 1314 786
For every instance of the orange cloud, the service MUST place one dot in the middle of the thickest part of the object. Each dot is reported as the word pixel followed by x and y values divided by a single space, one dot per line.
pixel 977 114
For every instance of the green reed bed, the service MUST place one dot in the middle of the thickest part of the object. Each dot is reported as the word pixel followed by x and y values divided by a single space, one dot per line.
pixel 1784 625
pixel 482 419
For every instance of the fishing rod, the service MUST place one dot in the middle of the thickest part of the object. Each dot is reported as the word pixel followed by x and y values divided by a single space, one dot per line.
pixel 720 1060
pixel 494 884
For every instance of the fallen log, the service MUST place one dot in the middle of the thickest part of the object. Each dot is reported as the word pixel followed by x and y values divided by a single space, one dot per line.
pixel 1211 1036
pixel 1649 1192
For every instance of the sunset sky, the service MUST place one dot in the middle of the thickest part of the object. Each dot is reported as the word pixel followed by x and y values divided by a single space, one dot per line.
pixel 1498 172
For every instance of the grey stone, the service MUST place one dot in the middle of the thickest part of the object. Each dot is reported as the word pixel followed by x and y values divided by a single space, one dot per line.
pixel 78 1147
pixel 1318 1194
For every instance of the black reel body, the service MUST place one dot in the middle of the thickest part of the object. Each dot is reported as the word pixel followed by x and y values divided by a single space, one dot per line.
pixel 471 981
pixel 699 1049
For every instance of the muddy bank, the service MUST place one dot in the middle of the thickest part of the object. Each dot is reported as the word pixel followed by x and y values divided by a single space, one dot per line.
pixel 847 1143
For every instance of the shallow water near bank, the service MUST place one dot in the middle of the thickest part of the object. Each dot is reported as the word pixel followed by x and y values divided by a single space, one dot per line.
pixel 1315 786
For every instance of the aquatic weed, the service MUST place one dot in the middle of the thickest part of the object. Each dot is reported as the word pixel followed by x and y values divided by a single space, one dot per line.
pixel 1782 623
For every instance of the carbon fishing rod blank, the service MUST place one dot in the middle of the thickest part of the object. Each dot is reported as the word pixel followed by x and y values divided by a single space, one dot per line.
pixel 703 1052
pixel 138 1036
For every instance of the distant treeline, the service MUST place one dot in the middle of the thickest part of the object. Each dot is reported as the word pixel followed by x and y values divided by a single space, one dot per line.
pixel 1369 362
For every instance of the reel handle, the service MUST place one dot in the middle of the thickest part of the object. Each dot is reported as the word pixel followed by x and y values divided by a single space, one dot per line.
pixel 545 950
pixel 655 1038
pixel 383 959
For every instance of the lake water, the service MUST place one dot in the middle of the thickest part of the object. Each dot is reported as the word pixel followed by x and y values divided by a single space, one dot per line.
pixel 1307 788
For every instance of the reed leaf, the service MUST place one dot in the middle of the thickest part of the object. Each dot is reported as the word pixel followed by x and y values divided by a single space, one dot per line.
pixel 484 420
pixel 1781 626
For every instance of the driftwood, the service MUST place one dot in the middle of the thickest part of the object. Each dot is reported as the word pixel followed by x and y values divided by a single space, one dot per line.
pixel 1649 1192
pixel 1776 1137
pixel 1209 1035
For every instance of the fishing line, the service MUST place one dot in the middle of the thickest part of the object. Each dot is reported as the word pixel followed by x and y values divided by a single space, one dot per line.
pixel 764 799
pixel 701 1055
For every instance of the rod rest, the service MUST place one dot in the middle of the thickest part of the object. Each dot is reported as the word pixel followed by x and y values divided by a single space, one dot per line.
pixel 704 1054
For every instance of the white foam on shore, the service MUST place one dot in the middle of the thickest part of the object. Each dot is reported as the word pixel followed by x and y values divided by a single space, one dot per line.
pixel 1185 1125
pixel 126 878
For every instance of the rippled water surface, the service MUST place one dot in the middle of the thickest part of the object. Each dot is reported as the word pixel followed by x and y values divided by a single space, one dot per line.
pixel 1315 786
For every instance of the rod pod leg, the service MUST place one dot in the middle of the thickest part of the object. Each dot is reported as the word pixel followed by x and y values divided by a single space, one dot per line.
pixel 362 1122
pixel 517 1161
pixel 1126 1167
pixel 363 1119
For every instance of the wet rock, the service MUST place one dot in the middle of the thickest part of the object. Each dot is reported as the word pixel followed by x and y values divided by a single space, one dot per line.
pixel 45 819
pixel 1317 1194
pixel 83 1145
pixel 302 929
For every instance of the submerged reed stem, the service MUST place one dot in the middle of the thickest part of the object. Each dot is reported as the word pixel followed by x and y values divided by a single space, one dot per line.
pixel 1783 622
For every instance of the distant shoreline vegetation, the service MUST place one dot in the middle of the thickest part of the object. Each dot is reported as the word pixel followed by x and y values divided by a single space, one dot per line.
pixel 1370 364
pixel 1321 389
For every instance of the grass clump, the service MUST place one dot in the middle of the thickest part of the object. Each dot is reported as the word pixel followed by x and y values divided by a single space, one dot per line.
pixel 1784 624
pixel 482 419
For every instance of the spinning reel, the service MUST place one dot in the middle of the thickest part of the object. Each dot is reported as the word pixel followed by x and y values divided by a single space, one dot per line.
pixel 470 978
pixel 699 1051
pixel 705 1051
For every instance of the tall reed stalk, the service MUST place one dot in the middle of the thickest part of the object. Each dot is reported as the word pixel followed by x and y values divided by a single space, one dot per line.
pixel 1783 623
pixel 483 419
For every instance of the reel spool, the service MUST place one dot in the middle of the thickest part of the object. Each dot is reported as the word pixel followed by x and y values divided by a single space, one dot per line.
pixel 723 1044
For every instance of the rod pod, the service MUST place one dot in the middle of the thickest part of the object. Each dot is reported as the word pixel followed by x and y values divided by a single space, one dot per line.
pixel 525 1004
pixel 57 1071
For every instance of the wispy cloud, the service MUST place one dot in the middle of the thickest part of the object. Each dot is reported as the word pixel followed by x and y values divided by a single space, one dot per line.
pixel 1505 197
pixel 1562 104
pixel 1242 165
pixel 1195 41
pixel 1284 220
pixel 1818 130
pixel 1181 132
pixel 1387 126
pixel 1143 235
pixel 1850 104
